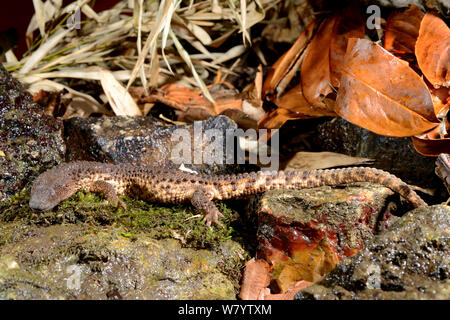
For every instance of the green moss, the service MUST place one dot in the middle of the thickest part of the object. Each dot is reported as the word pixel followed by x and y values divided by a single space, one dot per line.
pixel 182 222
pixel 15 206
pixel 159 221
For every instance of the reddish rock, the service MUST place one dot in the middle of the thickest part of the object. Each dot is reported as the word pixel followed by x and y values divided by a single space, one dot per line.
pixel 303 234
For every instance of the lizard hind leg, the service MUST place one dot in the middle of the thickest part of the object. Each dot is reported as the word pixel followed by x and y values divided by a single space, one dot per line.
pixel 108 192
pixel 202 200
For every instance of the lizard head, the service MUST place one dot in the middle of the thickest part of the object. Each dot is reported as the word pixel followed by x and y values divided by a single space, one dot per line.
pixel 50 188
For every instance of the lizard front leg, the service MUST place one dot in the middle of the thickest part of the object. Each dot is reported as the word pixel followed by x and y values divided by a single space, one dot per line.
pixel 108 192
pixel 202 200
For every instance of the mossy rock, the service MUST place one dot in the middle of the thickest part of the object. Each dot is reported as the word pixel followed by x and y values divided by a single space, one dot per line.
pixel 149 251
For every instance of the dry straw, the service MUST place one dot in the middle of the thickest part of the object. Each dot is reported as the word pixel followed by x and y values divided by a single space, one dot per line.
pixel 136 42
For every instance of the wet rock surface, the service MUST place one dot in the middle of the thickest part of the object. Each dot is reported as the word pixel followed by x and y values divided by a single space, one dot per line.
pixel 85 249
pixel 411 260
pixel 30 141
pixel 304 233
pixel 396 155
pixel 146 140
pixel 75 262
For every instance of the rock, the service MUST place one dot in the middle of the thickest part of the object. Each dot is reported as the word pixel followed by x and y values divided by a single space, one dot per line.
pixel 304 233
pixel 143 140
pixel 396 155
pixel 86 250
pixel 75 262
pixel 30 141
pixel 411 260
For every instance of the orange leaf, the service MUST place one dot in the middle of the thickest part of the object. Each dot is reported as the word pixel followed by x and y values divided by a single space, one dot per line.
pixel 315 70
pixel 381 93
pixel 294 101
pixel 433 50
pixel 290 293
pixel 349 24
pixel 285 63
pixel 276 118
pixel 185 99
pixel 431 147
pixel 441 100
pixel 324 57
pixel 255 279
pixel 402 30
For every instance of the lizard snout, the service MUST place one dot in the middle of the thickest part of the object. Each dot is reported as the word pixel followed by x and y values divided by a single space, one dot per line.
pixel 40 199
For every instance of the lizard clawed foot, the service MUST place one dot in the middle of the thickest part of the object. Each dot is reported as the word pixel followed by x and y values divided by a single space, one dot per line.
pixel 213 217
pixel 122 205
pixel 109 193
pixel 118 203
pixel 202 200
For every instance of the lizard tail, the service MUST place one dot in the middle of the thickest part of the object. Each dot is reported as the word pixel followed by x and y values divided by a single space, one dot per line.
pixel 332 177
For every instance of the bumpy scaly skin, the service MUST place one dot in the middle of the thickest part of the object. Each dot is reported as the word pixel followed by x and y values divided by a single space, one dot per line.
pixel 175 186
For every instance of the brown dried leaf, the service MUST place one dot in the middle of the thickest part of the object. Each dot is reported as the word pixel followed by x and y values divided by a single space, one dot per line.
pixel 349 24
pixel 381 93
pixel 242 119
pixel 290 293
pixel 295 101
pixel 53 102
pixel 324 57
pixel 433 50
pixel 322 160
pixel 402 30
pixel 431 147
pixel 276 118
pixel 253 92
pixel 315 69
pixel 190 101
pixel 441 101
pixel 255 279
pixel 285 63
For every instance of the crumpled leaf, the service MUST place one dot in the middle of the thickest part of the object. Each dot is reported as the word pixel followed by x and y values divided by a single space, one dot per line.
pixel 295 101
pixel 286 62
pixel 186 100
pixel 253 92
pixel 441 101
pixel 381 93
pixel 349 24
pixel 81 104
pixel 323 62
pixel 431 147
pixel 276 118
pixel 315 69
pixel 433 50
pixel 402 30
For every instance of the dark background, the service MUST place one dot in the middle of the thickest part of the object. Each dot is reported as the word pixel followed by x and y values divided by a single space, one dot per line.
pixel 17 14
